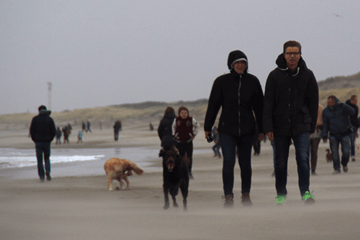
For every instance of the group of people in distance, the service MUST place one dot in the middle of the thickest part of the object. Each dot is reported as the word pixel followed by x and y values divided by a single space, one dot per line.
pixel 287 113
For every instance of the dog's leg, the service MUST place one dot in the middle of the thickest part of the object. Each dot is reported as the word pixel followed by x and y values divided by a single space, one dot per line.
pixel 127 181
pixel 174 191
pixel 109 182
pixel 166 196
pixel 121 182
pixel 184 192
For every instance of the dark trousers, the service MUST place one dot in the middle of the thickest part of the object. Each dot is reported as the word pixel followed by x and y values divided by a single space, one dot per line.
pixel 345 148
pixel 282 145
pixel 216 149
pixel 43 153
pixel 242 146
pixel 186 148
pixel 116 135
pixel 314 146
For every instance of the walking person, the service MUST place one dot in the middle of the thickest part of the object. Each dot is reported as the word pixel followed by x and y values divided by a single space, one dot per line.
pixel 88 124
pixel 216 147
pixel 79 137
pixel 336 117
pixel 185 129
pixel 58 136
pixel 117 128
pixel 315 140
pixel 43 131
pixel 240 96
pixel 83 126
pixel 290 112
pixel 355 125
pixel 165 127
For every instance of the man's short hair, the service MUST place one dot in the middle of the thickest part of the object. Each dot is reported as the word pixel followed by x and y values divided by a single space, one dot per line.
pixel 353 97
pixel 332 97
pixel 292 43
pixel 42 107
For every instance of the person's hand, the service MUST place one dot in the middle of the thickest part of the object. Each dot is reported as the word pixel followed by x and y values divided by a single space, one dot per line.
pixel 270 135
pixel 207 134
pixel 261 137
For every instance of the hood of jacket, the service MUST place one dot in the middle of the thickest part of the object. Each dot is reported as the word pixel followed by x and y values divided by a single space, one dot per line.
pixel 281 63
pixel 235 55
pixel 336 104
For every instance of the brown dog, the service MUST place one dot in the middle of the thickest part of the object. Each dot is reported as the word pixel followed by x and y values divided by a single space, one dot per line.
pixel 120 169
pixel 328 156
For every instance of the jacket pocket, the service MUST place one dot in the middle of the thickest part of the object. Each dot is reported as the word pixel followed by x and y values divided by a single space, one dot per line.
pixel 306 114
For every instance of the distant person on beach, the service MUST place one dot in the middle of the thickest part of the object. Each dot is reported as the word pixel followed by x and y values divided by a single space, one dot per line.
pixel 66 131
pixel 43 131
pixel 355 125
pixel 117 128
pixel 88 124
pixel 185 129
pixel 58 135
pixel 79 136
pixel 239 95
pixel 151 127
pixel 315 140
pixel 83 126
pixel 165 127
pixel 290 112
pixel 336 117
pixel 216 147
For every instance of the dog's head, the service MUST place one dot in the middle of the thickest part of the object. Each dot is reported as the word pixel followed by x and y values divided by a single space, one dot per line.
pixel 169 158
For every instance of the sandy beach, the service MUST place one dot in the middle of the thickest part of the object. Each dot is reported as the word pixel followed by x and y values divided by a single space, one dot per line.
pixel 81 207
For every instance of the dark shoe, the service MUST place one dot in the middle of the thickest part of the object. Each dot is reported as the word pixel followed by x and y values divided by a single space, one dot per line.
pixel 353 159
pixel 48 177
pixel 313 172
pixel 345 169
pixel 229 201
pixel 337 171
pixel 41 180
pixel 245 199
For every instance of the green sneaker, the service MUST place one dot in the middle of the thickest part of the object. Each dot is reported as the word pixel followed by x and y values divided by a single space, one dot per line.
pixel 280 199
pixel 308 198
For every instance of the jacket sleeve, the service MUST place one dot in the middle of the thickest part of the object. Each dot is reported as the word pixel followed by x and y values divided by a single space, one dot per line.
pixel 196 126
pixel 325 127
pixel 347 109
pixel 215 101
pixel 53 129
pixel 160 130
pixel 269 101
pixel 313 101
pixel 258 105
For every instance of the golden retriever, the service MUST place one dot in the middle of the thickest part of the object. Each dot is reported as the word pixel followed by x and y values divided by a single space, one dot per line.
pixel 120 169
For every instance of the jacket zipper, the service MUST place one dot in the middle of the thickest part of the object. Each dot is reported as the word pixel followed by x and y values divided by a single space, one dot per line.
pixel 239 103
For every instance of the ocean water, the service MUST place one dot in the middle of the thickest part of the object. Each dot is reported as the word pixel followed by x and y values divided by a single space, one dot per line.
pixel 18 158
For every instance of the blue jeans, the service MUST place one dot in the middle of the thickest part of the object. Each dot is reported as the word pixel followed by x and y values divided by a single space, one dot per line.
pixel 282 145
pixel 345 149
pixel 352 142
pixel 243 145
pixel 43 149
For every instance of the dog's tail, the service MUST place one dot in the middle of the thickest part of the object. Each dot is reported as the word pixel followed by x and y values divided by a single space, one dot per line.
pixel 136 169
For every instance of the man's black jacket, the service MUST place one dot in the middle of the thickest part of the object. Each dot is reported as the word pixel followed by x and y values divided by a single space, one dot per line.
pixel 291 100
pixel 42 127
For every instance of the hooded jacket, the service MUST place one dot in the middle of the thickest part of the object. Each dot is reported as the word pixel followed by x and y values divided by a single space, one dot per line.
pixel 291 100
pixel 337 119
pixel 42 127
pixel 239 96
pixel 353 118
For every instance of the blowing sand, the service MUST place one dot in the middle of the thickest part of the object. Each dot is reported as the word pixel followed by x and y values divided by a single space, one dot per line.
pixel 82 207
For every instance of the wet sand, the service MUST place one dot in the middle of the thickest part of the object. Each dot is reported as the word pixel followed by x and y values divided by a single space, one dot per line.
pixel 81 207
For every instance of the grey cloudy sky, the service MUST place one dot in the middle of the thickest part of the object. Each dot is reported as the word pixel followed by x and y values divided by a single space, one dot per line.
pixel 105 52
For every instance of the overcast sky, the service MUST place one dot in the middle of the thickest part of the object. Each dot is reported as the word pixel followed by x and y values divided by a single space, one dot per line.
pixel 100 53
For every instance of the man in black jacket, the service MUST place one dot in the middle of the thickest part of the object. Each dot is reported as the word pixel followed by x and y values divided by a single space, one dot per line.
pixel 240 96
pixel 290 112
pixel 43 131
pixel 354 122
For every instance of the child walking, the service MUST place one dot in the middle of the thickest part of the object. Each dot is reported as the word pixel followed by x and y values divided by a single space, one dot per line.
pixel 185 129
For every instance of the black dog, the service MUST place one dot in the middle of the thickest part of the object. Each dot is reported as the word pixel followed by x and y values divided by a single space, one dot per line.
pixel 176 175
